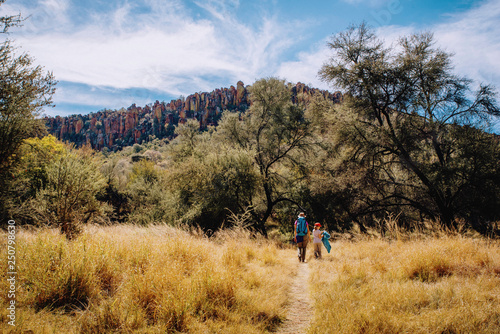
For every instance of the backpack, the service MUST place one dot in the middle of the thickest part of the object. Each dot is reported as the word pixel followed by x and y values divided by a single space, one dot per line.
pixel 301 228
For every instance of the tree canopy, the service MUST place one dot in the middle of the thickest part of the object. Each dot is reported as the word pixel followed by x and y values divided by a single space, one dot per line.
pixel 408 139
pixel 413 123
pixel 275 133
pixel 24 90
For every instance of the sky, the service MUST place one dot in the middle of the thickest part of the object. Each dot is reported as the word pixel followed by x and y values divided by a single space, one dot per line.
pixel 108 54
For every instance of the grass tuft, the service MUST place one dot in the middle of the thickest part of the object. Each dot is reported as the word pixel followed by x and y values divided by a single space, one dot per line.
pixel 129 279
pixel 443 285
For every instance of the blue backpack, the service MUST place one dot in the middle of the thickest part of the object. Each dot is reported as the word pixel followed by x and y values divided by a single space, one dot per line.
pixel 301 228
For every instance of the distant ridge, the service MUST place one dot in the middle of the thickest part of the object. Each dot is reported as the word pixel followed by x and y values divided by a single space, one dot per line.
pixel 115 129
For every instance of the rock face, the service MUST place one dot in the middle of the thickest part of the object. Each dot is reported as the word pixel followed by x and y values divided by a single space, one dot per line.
pixel 115 129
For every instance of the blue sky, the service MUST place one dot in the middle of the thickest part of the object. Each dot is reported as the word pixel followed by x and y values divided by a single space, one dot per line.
pixel 112 53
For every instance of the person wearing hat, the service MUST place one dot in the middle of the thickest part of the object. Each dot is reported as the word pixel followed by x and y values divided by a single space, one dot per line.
pixel 302 236
pixel 317 236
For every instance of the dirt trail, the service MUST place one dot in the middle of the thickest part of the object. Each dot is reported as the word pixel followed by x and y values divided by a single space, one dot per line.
pixel 299 311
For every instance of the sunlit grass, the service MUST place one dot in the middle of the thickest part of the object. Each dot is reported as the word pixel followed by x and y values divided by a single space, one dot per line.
pixel 437 285
pixel 128 279
pixel 148 280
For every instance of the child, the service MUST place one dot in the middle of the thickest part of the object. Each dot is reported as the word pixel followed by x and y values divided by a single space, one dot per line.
pixel 317 236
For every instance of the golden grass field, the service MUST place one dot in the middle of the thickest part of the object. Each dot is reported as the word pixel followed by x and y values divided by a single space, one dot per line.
pixel 128 279
pixel 439 285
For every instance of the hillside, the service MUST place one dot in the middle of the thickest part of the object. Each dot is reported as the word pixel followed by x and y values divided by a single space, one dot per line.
pixel 115 129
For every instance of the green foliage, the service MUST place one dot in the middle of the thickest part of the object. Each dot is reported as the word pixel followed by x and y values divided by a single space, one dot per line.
pixel 276 133
pixel 137 148
pixel 24 91
pixel 408 141
pixel 404 134
pixel 68 197
pixel 145 171
pixel 149 199
pixel 212 186
pixel 207 179
pixel 188 136
pixel 116 172
pixel 35 155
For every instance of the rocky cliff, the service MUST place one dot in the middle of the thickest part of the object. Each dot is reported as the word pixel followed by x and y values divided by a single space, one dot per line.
pixel 115 129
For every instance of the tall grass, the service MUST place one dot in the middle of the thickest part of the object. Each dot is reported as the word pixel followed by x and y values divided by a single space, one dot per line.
pixel 435 285
pixel 127 279
pixel 148 280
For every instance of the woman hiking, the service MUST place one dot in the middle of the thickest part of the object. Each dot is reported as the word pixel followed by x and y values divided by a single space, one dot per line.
pixel 302 236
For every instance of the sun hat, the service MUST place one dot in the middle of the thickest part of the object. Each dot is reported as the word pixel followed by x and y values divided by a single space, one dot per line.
pixel 317 224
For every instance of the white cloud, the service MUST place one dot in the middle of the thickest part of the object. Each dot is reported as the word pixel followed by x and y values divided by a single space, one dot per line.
pixel 473 38
pixel 306 68
pixel 129 59
pixel 255 51
pixel 162 50
pixel 47 15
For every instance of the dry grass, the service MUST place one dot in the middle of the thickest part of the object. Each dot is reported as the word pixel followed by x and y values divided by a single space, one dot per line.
pixel 436 285
pixel 126 279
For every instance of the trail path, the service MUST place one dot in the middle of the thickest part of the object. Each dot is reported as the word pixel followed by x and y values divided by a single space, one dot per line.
pixel 300 310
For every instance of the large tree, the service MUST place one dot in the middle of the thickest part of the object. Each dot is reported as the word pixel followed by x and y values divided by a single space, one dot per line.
pixel 207 179
pixel 273 130
pixel 408 117
pixel 24 90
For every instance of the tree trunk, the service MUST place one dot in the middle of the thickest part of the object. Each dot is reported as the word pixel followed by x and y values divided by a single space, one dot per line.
pixel 261 225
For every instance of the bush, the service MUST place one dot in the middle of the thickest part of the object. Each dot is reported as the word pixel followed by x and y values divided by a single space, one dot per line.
pixel 67 198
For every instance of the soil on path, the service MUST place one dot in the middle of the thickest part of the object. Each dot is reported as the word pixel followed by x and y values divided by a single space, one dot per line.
pixel 299 311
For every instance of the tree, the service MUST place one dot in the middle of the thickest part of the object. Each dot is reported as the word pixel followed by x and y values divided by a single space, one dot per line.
pixel 408 113
pixel 114 193
pixel 36 155
pixel 273 130
pixel 24 90
pixel 209 177
pixel 146 190
pixel 8 21
pixel 188 136
pixel 337 189
pixel 69 198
